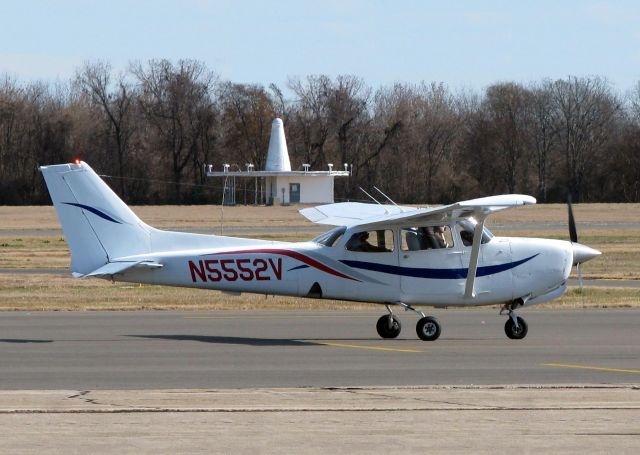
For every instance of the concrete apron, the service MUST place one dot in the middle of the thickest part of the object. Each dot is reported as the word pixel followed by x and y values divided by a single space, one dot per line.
pixel 487 419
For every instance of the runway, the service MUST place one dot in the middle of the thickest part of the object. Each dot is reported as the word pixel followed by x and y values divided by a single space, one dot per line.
pixel 231 349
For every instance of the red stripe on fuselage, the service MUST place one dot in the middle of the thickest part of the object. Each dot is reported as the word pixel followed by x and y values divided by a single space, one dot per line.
pixel 292 254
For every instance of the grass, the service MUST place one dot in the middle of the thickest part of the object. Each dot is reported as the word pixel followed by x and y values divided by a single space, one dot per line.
pixel 609 229
pixel 166 216
pixel 57 293
pixel 33 252
pixel 60 293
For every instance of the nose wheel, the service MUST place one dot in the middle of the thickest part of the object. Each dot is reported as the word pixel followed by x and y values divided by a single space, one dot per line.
pixel 515 328
pixel 428 328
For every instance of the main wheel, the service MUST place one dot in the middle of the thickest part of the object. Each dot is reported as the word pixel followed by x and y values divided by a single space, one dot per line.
pixel 513 332
pixel 428 328
pixel 388 326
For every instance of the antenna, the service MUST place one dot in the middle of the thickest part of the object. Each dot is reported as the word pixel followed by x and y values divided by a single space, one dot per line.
pixel 371 197
pixel 224 190
pixel 388 198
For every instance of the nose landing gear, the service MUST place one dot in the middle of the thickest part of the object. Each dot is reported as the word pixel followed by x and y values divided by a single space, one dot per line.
pixel 428 328
pixel 515 328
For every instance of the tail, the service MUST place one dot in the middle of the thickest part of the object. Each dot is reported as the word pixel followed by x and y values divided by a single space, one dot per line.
pixel 96 224
pixel 105 237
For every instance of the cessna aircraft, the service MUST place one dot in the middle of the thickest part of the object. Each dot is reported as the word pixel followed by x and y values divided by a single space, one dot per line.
pixel 386 254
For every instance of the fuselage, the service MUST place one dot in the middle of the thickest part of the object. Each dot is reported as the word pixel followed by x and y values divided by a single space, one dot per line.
pixel 394 268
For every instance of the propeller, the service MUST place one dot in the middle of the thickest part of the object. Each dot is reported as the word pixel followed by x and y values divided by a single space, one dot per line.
pixel 573 236
pixel 573 233
pixel 581 253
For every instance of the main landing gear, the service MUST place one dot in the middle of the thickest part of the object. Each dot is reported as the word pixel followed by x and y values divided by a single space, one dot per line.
pixel 516 328
pixel 427 328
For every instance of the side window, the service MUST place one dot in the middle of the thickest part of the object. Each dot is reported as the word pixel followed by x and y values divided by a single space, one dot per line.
pixel 330 238
pixel 466 234
pixel 371 241
pixel 466 228
pixel 426 238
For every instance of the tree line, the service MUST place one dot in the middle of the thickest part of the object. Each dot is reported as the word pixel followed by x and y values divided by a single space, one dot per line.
pixel 152 128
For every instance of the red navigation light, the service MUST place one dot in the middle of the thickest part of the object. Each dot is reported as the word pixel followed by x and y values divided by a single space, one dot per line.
pixel 76 161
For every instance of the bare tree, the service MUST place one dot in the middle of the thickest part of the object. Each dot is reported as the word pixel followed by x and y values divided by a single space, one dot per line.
pixel 172 100
pixel 436 130
pixel 115 99
pixel 506 108
pixel 247 113
pixel 311 117
pixel 348 104
pixel 587 110
pixel 544 131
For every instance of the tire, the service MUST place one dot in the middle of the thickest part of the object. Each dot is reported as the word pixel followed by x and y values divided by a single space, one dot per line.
pixel 512 332
pixel 383 326
pixel 428 328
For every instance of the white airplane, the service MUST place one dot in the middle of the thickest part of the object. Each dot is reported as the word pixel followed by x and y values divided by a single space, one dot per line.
pixel 386 254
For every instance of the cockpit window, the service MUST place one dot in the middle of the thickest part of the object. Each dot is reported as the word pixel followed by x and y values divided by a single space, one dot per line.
pixel 426 238
pixel 330 238
pixel 465 229
pixel 380 241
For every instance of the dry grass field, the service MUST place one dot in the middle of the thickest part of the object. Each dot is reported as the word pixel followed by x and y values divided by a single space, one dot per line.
pixel 28 240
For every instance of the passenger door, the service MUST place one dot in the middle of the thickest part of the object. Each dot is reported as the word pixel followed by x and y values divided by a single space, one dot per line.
pixel 430 264
pixel 374 254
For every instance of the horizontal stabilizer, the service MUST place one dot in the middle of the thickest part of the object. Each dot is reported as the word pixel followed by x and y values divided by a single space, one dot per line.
pixel 113 268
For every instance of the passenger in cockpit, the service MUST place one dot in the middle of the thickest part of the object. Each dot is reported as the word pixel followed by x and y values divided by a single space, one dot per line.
pixel 438 234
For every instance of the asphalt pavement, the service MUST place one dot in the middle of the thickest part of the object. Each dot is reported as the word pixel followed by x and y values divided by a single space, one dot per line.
pixel 253 349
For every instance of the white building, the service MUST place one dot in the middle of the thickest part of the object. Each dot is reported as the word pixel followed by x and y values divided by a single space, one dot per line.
pixel 281 185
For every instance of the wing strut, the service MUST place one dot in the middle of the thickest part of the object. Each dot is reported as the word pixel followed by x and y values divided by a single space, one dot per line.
pixel 469 290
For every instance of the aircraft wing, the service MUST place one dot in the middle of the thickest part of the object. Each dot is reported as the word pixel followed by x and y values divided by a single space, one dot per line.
pixel 351 213
pixel 356 213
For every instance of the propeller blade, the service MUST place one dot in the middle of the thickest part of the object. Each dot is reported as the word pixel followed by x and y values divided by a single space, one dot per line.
pixel 573 233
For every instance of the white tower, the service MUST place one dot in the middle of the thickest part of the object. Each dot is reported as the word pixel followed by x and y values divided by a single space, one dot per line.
pixel 278 155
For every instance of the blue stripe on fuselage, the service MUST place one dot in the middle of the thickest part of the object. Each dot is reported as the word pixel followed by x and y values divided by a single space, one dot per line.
pixel 439 274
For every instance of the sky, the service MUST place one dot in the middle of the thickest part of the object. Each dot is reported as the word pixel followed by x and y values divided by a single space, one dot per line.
pixel 464 44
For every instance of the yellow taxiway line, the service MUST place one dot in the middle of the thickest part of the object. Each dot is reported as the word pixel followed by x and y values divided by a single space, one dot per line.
pixel 372 348
pixel 587 367
pixel 281 316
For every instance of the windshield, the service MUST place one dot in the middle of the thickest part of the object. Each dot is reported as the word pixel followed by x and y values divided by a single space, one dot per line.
pixel 466 228
pixel 331 237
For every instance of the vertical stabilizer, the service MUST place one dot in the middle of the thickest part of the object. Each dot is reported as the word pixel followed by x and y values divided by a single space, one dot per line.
pixel 96 224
